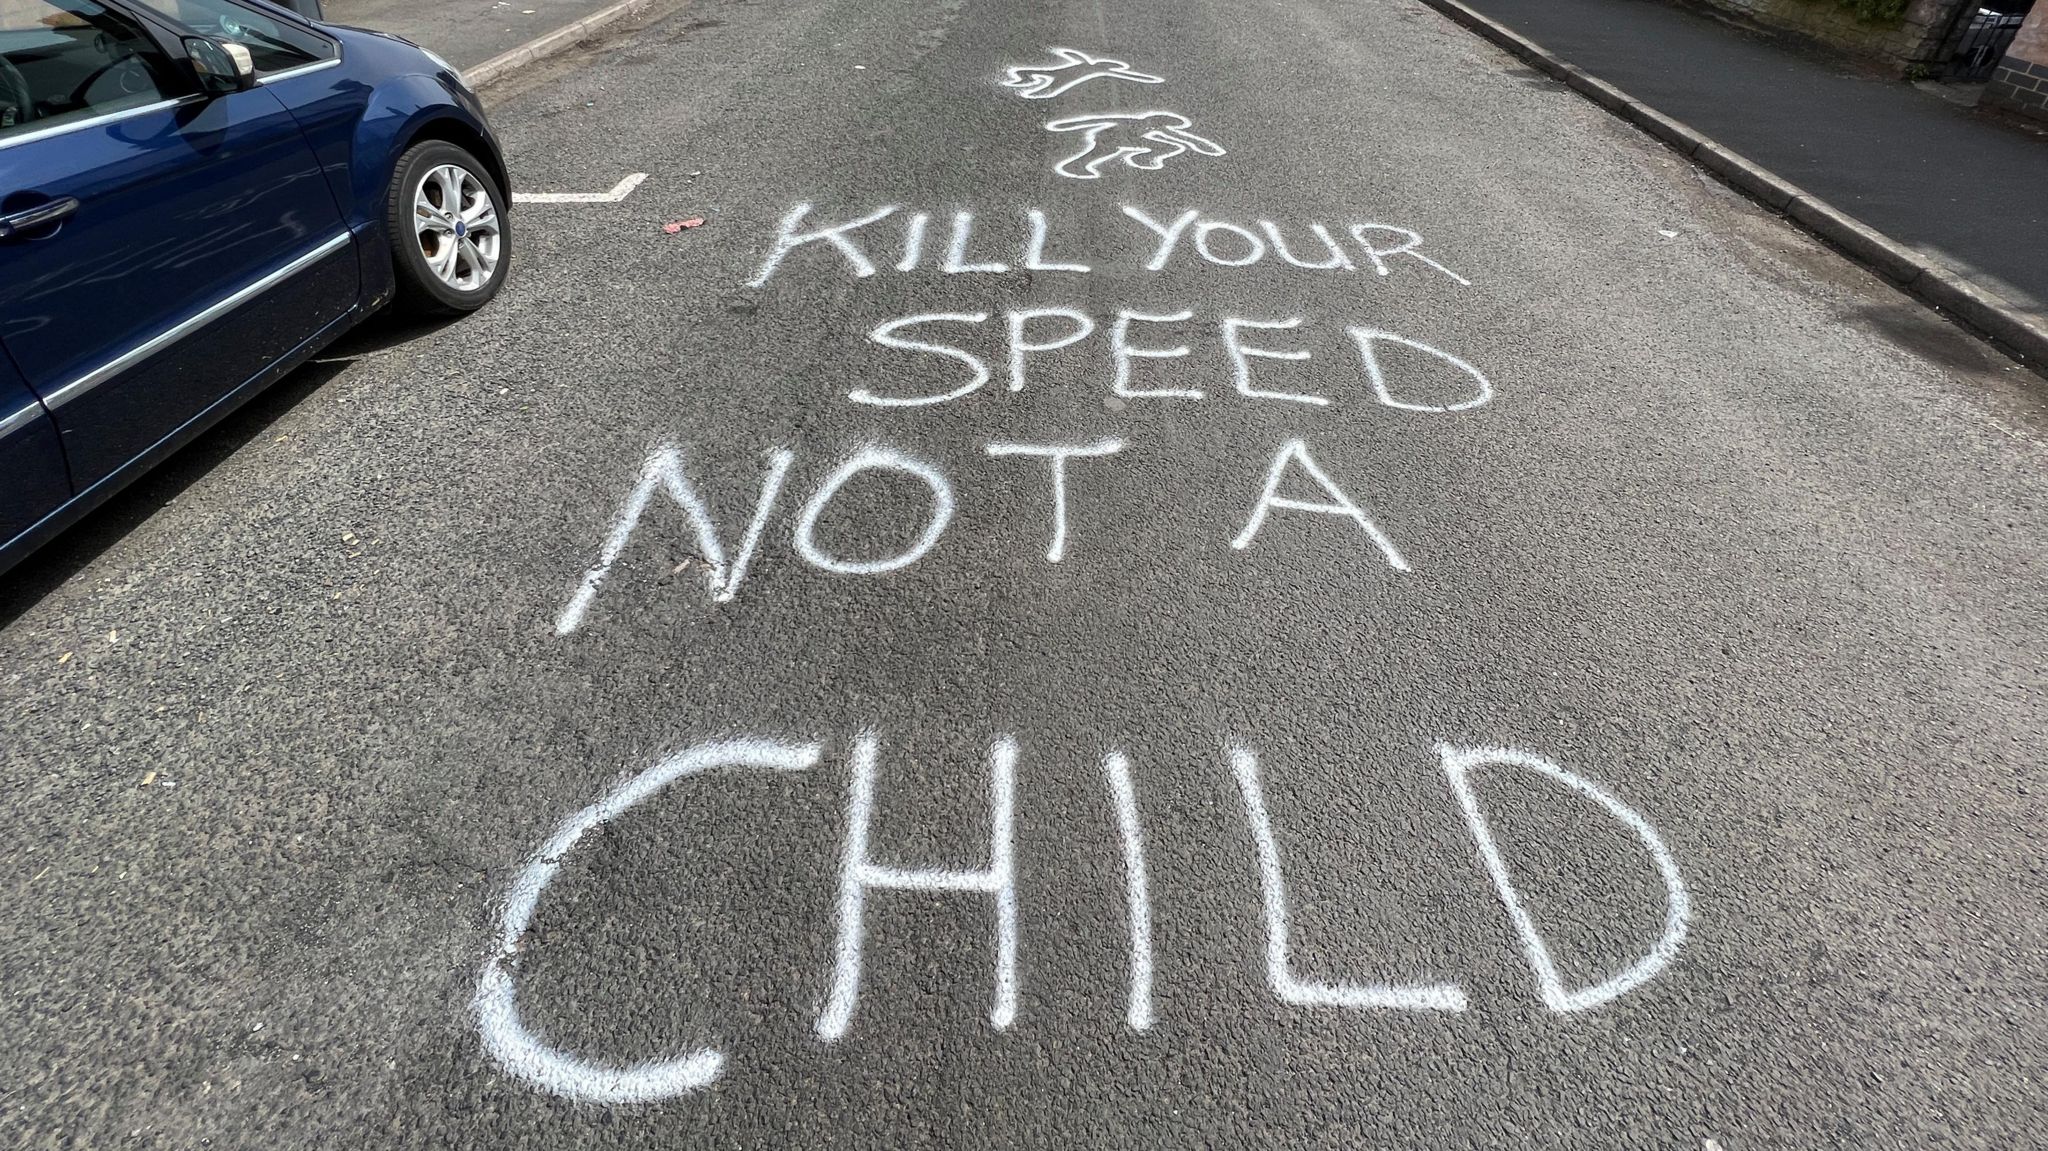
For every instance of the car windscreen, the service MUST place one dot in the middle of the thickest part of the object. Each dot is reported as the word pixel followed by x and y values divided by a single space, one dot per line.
pixel 275 45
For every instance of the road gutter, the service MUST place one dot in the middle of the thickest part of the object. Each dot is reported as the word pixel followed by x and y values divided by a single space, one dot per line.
pixel 1985 313
pixel 553 43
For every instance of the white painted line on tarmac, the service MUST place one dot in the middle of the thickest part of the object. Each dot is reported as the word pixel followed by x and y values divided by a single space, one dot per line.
pixel 620 191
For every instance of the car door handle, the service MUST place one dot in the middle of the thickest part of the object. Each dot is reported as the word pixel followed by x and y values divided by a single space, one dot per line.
pixel 42 215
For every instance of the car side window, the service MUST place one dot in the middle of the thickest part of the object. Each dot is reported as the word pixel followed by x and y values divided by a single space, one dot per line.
pixel 275 45
pixel 67 60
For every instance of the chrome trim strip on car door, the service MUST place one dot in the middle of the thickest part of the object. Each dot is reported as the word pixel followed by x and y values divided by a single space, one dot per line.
pixel 190 324
pixel 20 420
pixel 34 134
pixel 301 70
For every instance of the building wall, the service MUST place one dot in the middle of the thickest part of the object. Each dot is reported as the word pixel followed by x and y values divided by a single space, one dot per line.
pixel 2021 82
pixel 1913 39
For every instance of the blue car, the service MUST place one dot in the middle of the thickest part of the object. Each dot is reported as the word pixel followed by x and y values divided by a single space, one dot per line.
pixel 195 197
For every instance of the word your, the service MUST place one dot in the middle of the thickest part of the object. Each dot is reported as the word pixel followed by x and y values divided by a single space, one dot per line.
pixel 1141 140
pixel 1044 81
pixel 664 474
pixel 1216 242
pixel 1070 326
pixel 864 872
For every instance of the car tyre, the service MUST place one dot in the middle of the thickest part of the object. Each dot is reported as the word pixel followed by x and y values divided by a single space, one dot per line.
pixel 451 243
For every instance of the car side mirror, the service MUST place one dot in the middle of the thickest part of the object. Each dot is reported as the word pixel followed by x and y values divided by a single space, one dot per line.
pixel 222 66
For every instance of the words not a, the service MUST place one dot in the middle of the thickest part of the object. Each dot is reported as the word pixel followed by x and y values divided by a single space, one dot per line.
pixel 664 474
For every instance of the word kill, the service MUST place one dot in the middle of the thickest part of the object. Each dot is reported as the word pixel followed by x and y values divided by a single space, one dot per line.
pixel 1221 243
pixel 529 1057
pixel 663 473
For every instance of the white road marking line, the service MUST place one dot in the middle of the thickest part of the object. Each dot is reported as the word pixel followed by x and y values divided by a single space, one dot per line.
pixel 620 191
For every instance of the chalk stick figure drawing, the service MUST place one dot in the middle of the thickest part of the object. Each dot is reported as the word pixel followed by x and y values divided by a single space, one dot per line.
pixel 1044 81
pixel 1144 140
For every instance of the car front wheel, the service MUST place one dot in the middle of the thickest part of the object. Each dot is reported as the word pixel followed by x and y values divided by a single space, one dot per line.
pixel 451 245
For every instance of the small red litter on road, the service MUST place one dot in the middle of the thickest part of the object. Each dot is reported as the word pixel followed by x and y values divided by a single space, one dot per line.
pixel 679 225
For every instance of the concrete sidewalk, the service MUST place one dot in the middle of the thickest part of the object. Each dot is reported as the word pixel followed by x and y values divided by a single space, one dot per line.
pixel 1939 178
pixel 468 33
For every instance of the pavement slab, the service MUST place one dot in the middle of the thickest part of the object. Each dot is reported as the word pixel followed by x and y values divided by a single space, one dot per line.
pixel 468 32
pixel 1947 181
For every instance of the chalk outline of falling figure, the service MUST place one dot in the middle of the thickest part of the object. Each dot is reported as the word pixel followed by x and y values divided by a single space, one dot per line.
pixel 1045 85
pixel 1175 137
pixel 506 1038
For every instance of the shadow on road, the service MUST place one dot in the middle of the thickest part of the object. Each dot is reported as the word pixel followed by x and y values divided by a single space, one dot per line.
pixel 381 334
pixel 68 554
pixel 1921 330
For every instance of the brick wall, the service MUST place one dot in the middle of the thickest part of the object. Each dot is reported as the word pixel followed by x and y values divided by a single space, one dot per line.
pixel 2021 82
pixel 1914 38
pixel 2031 44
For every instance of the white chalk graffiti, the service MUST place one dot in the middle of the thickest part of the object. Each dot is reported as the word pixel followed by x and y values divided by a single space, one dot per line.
pixel 858 874
pixel 956 253
pixel 1058 455
pixel 530 1058
pixel 1142 140
pixel 1339 504
pixel 1122 353
pixel 884 460
pixel 1116 768
pixel 1253 248
pixel 913 244
pixel 1368 339
pixel 1400 372
pixel 1335 255
pixel 664 472
pixel 788 239
pixel 885 335
pixel 1051 327
pixel 1034 250
pixel 506 1037
pixel 1081 327
pixel 1409 242
pixel 1288 987
pixel 1241 364
pixel 1459 763
pixel 1253 251
pixel 1169 234
pixel 1213 241
pixel 1044 81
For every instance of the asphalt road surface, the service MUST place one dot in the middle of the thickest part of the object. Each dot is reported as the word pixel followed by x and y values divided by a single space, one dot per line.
pixel 1621 725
